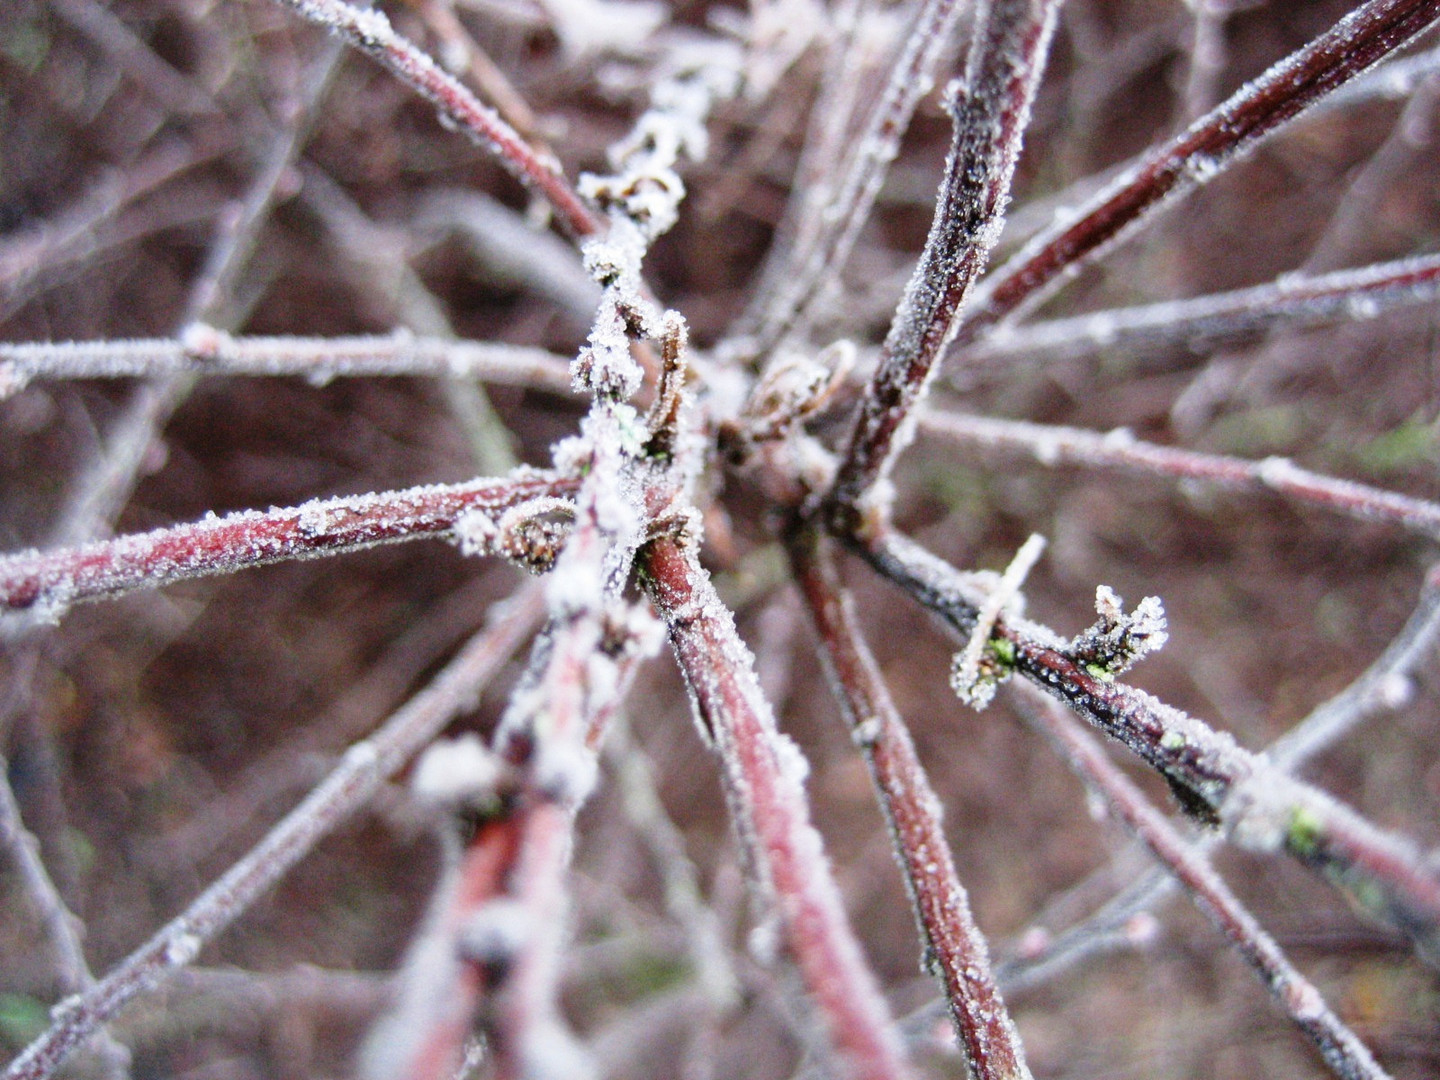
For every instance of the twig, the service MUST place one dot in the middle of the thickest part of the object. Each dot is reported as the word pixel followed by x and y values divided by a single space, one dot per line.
pixel 841 206
pixel 349 786
pixel 1292 300
pixel 1213 778
pixel 763 777
pixel 1383 684
pixel 47 583
pixel 370 31
pixel 1053 445
pixel 954 948
pixel 1215 141
pixel 1342 1051
pixel 204 350
pixel 1007 57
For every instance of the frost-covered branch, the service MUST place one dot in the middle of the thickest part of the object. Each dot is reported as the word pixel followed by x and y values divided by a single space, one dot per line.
pixel 1007 56
pixel 763 774
pixel 1214 779
pixel 357 777
pixel 370 31
pixel 954 948
pixel 488 516
pixel 1346 1055
pixel 1215 141
pixel 1053 445
pixel 839 206
pixel 1292 300
pixel 203 350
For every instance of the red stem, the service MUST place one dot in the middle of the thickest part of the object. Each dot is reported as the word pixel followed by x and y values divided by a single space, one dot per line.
pixel 953 942
pixel 1216 140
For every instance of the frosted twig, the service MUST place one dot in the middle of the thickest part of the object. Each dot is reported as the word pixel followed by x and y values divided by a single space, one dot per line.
pixel 1221 137
pixel 370 31
pixel 204 350
pixel 1213 778
pixel 1053 445
pixel 842 205
pixel 973 686
pixel 357 777
pixel 1295 994
pixel 1382 685
pixel 1007 56
pixel 1292 300
pixel 46 583
pixel 954 948
pixel 763 779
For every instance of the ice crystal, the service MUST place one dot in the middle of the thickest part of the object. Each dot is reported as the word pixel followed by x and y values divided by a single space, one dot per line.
pixel 1117 641
pixel 457 773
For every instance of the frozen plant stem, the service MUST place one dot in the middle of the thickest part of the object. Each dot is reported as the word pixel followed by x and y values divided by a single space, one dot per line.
pixel 203 350
pixel 1218 139
pixel 837 212
pixel 357 777
pixel 48 582
pixel 954 948
pixel 1052 446
pixel 1214 779
pixel 1342 1051
pixel 1197 324
pixel 762 774
pixel 370 31
pixel 1007 57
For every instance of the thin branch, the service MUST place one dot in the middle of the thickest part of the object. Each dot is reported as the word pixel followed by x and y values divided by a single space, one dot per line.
pixel 370 31
pixel 763 778
pixel 954 948
pixel 1054 445
pixel 1213 778
pixel 841 207
pixel 47 583
pixel 1007 57
pixel 1198 324
pixel 1295 994
pixel 204 350
pixel 1215 141
pixel 364 768
pixel 1384 684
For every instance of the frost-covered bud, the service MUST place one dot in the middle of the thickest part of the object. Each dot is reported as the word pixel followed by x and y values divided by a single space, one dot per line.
pixel 494 934
pixel 1117 641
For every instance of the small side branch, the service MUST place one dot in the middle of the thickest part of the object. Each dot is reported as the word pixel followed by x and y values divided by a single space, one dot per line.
pixel 1215 780
pixel 1295 994
pixel 1215 141
pixel 203 350
pixel 370 31
pixel 763 777
pixel 1054 445
pixel 49 582
pixel 1007 57
pixel 955 948
pixel 1291 301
